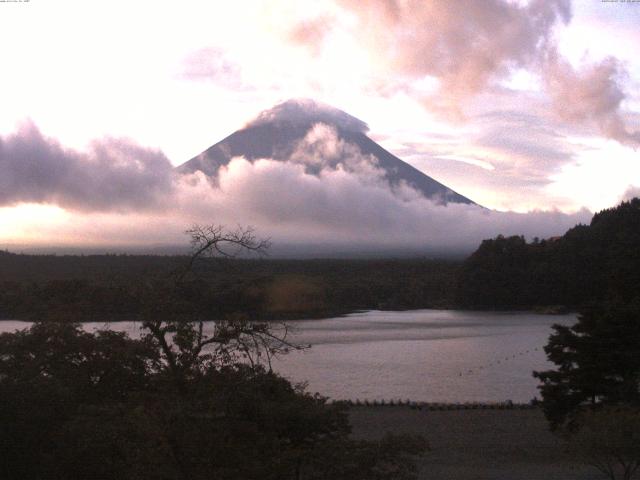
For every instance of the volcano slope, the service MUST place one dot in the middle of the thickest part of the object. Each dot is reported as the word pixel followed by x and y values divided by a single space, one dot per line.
pixel 291 132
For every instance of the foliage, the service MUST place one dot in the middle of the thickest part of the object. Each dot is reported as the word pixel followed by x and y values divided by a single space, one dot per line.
pixel 589 263
pixel 100 405
pixel 47 373
pixel 597 360
pixel 180 403
pixel 108 287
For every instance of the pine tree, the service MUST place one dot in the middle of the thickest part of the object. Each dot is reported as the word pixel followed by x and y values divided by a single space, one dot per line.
pixel 597 359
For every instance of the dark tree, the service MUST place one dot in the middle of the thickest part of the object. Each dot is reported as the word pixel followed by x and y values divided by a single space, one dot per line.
pixel 588 263
pixel 495 275
pixel 173 319
pixel 76 405
pixel 181 403
pixel 597 362
pixel 51 371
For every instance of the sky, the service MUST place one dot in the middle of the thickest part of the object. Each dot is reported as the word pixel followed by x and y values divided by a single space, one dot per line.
pixel 530 108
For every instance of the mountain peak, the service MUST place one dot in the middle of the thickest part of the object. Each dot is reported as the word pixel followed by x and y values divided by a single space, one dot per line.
pixel 278 132
pixel 299 111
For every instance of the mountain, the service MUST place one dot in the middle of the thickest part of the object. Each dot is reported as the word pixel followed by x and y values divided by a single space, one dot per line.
pixel 277 132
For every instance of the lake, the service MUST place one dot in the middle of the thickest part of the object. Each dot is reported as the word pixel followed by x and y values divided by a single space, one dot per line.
pixel 420 355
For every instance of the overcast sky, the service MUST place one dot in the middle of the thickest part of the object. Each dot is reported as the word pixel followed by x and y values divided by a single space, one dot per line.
pixel 519 105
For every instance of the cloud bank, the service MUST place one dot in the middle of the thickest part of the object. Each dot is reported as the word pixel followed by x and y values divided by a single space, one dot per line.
pixel 111 175
pixel 120 194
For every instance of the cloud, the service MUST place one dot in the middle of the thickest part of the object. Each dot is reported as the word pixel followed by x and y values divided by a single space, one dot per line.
pixel 630 193
pixel 447 54
pixel 212 64
pixel 310 32
pixel 306 111
pixel 591 94
pixel 522 146
pixel 112 175
pixel 345 201
pixel 505 160
pixel 323 149
pixel 466 45
pixel 337 209
pixel 342 206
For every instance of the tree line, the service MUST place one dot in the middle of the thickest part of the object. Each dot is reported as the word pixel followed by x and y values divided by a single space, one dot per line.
pixel 589 263
pixel 112 287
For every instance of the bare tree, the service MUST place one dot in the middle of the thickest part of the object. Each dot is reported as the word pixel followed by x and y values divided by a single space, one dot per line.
pixel 187 346
pixel 215 240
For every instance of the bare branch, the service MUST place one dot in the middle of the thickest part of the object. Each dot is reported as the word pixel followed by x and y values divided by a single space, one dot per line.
pixel 187 349
pixel 214 240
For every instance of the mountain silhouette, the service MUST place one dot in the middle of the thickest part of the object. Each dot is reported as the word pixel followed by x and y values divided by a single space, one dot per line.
pixel 276 133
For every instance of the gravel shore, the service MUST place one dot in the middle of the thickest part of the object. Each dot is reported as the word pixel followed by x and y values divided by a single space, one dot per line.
pixel 477 444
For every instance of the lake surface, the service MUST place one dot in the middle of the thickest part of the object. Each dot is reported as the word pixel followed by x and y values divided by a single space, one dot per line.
pixel 420 355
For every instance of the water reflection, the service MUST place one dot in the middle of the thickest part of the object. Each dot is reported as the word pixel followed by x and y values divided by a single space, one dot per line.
pixel 421 355
pixel 424 355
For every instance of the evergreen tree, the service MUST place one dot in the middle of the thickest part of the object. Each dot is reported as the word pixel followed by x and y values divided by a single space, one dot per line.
pixel 597 359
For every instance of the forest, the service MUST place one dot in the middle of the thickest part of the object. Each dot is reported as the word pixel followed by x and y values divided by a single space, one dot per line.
pixel 588 263
pixel 111 287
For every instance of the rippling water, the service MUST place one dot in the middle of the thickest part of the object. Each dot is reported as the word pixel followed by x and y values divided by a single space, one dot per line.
pixel 421 355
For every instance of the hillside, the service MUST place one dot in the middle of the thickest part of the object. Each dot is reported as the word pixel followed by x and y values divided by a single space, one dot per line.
pixel 588 263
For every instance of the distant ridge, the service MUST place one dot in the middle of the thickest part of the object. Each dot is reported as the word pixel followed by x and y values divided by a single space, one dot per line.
pixel 276 132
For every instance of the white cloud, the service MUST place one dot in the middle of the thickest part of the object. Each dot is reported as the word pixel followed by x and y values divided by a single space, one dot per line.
pixel 630 193
pixel 346 202
pixel 467 46
pixel 593 93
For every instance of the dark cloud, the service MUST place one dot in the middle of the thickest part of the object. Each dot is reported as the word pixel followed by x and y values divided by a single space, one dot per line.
pixel 335 208
pixel 112 175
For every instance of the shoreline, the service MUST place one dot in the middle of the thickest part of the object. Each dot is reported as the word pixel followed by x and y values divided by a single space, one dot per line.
pixel 327 314
pixel 437 406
